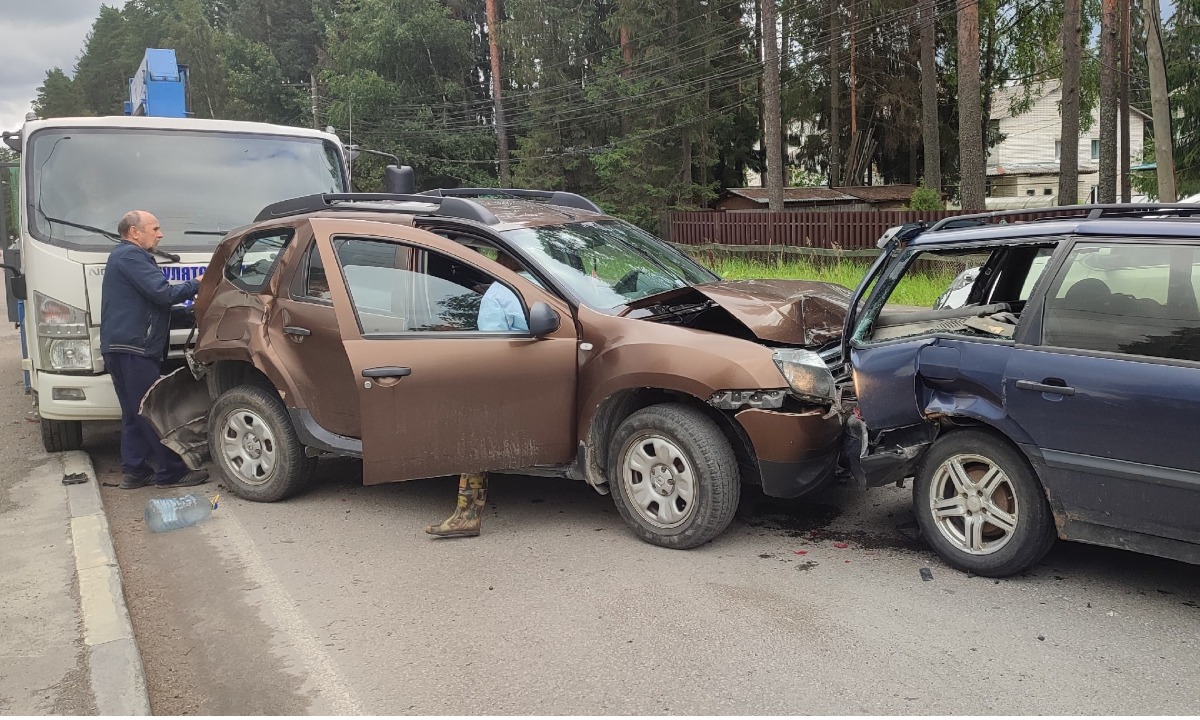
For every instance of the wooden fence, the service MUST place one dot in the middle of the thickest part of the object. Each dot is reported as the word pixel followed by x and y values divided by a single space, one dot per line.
pixel 851 231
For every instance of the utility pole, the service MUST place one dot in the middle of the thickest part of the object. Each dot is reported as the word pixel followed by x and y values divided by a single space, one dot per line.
pixel 1123 121
pixel 493 20
pixel 1164 154
pixel 771 109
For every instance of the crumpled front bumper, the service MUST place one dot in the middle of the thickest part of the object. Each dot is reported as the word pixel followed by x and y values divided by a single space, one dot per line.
pixel 177 407
pixel 797 452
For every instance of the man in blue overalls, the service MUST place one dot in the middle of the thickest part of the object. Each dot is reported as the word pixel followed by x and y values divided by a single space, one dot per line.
pixel 135 317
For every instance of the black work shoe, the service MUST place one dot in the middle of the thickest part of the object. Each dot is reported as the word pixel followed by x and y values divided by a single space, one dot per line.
pixel 133 483
pixel 195 477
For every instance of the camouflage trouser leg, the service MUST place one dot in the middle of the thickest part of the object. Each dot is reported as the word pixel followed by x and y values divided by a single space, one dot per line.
pixel 468 514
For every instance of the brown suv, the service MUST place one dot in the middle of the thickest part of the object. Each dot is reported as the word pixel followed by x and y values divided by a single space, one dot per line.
pixel 504 330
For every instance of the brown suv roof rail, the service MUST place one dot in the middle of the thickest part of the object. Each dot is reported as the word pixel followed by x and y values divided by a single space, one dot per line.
pixel 1064 212
pixel 380 202
pixel 552 197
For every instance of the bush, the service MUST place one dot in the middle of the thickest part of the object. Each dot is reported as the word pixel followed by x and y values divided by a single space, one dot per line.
pixel 926 198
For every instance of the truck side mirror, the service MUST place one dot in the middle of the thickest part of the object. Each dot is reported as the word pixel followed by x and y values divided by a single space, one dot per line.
pixel 542 320
pixel 399 180
pixel 17 282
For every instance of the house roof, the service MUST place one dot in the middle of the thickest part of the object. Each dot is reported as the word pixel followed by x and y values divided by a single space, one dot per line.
pixel 1033 169
pixel 1002 99
pixel 865 193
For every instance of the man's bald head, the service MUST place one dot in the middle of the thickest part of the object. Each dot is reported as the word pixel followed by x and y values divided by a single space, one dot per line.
pixel 140 228
pixel 131 219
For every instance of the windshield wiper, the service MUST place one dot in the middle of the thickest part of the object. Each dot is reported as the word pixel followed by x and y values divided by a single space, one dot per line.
pixel 219 233
pixel 108 234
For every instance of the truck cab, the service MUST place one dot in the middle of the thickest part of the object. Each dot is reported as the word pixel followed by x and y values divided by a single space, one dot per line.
pixel 78 176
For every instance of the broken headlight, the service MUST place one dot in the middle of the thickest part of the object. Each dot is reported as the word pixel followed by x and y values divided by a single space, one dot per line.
pixel 807 375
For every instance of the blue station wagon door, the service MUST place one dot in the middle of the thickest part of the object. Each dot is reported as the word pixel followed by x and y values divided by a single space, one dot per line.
pixel 461 364
pixel 1109 394
pixel 913 364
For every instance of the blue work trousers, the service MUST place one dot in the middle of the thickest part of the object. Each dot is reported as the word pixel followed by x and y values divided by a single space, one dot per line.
pixel 140 446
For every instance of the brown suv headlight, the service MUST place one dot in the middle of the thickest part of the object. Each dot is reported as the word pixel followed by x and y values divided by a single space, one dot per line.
pixel 807 375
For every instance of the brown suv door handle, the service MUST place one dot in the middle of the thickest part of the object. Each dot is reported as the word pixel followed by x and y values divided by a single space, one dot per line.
pixel 1044 387
pixel 387 372
pixel 297 331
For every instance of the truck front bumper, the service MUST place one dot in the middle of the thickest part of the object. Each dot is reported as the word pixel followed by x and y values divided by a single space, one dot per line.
pixel 77 397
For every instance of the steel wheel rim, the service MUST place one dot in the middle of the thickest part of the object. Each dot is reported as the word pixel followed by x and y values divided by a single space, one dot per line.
pixel 973 504
pixel 659 481
pixel 248 447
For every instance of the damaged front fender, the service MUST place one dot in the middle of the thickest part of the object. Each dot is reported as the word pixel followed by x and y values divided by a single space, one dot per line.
pixel 889 456
pixel 177 407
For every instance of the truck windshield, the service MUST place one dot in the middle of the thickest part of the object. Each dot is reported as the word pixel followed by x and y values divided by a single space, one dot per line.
pixel 608 264
pixel 198 184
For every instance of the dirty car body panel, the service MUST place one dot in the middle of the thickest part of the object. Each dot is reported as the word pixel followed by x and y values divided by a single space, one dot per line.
pixel 367 321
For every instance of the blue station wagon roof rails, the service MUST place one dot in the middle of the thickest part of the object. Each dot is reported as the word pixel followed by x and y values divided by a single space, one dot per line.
pixel 551 197
pixel 1066 212
pixel 454 207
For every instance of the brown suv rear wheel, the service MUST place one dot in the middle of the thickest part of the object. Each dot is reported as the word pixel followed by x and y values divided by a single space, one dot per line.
pixel 255 447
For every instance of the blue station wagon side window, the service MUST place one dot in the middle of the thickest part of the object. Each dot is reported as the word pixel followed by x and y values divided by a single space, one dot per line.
pixel 250 265
pixel 1128 299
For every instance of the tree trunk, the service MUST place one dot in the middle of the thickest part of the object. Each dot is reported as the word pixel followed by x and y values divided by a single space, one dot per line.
pixel 853 83
pixel 929 97
pixel 1123 121
pixel 493 20
pixel 1164 154
pixel 970 114
pixel 1068 160
pixel 1107 190
pixel 835 96
pixel 771 111
pixel 762 113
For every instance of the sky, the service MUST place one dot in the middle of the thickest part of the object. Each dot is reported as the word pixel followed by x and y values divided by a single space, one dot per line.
pixel 36 35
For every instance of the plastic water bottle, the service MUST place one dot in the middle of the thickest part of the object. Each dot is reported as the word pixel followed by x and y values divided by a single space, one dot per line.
pixel 164 514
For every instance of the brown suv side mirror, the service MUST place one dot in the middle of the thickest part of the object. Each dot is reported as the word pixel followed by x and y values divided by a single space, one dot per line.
pixel 542 320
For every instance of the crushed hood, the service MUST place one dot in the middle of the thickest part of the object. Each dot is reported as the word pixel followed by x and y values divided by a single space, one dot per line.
pixel 795 312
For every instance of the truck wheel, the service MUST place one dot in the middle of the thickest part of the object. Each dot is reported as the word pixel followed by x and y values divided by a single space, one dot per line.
pixel 255 447
pixel 62 435
pixel 673 475
pixel 980 505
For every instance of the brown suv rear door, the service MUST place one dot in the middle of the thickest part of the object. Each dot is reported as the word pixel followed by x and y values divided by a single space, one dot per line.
pixel 438 395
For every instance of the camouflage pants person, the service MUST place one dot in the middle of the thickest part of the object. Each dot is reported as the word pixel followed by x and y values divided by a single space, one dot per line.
pixel 468 514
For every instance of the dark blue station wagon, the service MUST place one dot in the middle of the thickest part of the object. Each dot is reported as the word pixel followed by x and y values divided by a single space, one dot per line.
pixel 1062 399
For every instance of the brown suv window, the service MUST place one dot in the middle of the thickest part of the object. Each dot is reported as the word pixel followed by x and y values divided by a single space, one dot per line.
pixel 250 265
pixel 310 282
pixel 397 288
pixel 1129 299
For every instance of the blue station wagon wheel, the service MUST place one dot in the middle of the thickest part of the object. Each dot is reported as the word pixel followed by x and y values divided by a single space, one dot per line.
pixel 981 506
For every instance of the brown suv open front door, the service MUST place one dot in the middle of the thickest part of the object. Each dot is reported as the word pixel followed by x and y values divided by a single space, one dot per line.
pixel 439 394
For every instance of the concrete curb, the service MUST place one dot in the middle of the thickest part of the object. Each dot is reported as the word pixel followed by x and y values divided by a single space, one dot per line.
pixel 117 677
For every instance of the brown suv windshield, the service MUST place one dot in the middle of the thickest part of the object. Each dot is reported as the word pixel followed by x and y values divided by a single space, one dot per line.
pixel 608 264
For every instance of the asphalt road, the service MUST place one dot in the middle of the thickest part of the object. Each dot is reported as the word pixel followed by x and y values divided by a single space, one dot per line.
pixel 336 602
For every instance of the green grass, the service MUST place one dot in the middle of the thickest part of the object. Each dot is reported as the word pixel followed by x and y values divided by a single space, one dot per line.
pixel 920 289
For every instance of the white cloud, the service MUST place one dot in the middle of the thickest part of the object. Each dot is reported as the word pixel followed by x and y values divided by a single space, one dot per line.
pixel 36 35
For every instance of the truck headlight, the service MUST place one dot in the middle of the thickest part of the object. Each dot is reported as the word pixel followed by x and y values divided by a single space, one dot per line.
pixel 70 354
pixel 62 334
pixel 807 375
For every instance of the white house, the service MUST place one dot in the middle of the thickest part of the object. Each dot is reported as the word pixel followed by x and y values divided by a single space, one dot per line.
pixel 1025 164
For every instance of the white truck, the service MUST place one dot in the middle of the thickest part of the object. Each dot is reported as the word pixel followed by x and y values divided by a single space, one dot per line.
pixel 78 176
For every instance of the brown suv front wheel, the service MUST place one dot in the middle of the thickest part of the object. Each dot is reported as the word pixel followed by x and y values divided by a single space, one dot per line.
pixel 673 475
